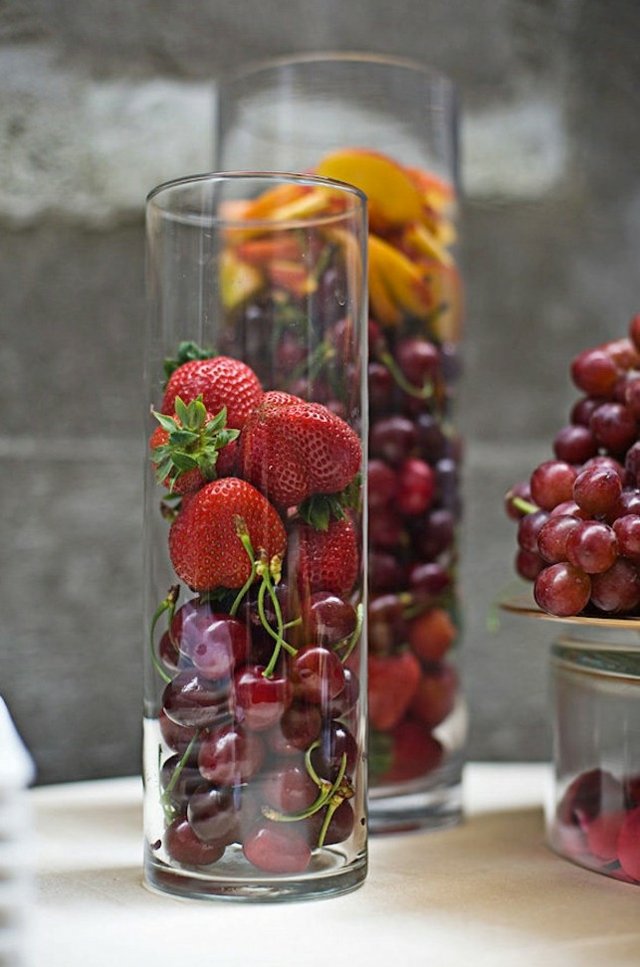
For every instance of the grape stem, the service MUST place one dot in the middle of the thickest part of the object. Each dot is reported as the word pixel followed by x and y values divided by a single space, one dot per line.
pixel 167 604
pixel 524 505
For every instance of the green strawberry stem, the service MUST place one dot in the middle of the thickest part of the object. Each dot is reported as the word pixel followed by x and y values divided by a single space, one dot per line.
pixel 351 642
pixel 167 808
pixel 193 441
pixel 187 352
pixel 167 604
pixel 423 392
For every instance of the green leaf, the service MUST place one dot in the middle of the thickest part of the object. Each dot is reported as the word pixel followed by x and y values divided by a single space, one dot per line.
pixel 187 351
pixel 184 461
pixel 166 422
pixel 182 438
pixel 218 421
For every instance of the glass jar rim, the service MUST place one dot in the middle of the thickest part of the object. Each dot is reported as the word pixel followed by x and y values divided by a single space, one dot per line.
pixel 615 660
pixel 268 64
pixel 270 179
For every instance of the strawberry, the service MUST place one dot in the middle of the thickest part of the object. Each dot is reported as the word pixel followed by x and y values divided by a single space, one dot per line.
pixel 221 381
pixel 392 684
pixel 324 560
pixel 204 546
pixel 191 447
pixel 291 449
pixel 405 753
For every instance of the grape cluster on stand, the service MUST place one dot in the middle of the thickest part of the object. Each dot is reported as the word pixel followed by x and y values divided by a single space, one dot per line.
pixel 579 514
pixel 578 520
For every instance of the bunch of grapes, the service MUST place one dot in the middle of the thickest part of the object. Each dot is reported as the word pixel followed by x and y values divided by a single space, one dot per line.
pixel 579 514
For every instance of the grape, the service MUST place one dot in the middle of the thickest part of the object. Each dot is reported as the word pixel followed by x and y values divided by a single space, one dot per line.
pixel 551 483
pixel 632 394
pixel 629 502
pixel 597 489
pixel 582 409
pixel 627 530
pixel 521 491
pixel 632 465
pixel 528 565
pixel 592 546
pixel 562 589
pixel 553 537
pixel 594 372
pixel 529 528
pixel 618 589
pixel 634 331
pixel 575 444
pixel 614 426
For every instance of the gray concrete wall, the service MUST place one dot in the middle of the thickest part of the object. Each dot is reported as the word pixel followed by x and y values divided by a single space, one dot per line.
pixel 99 102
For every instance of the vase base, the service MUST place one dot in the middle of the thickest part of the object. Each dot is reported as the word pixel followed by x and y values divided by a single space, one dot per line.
pixel 330 875
pixel 431 803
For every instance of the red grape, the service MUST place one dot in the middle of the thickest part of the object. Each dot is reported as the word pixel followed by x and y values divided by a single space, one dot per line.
pixel 575 444
pixel 597 489
pixel 592 547
pixel 594 372
pixel 551 483
pixel 627 530
pixel 553 537
pixel 562 589
pixel 618 589
pixel 614 427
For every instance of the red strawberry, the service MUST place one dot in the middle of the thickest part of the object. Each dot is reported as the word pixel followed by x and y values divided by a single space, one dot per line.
pixel 325 560
pixel 392 684
pixel 192 447
pixel 406 753
pixel 291 449
pixel 204 546
pixel 221 381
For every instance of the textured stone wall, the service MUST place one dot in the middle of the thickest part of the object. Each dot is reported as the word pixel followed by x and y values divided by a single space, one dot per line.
pixel 99 102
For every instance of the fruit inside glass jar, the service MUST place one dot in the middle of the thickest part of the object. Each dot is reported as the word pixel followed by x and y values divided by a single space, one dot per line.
pixel 255 752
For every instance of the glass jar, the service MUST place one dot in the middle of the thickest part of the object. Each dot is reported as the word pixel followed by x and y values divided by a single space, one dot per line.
pixel 594 817
pixel 255 587
pixel 389 127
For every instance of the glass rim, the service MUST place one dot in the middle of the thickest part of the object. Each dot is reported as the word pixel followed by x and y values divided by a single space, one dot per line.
pixel 267 64
pixel 273 178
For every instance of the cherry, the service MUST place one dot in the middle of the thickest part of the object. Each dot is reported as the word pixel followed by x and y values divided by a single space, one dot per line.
pixel 277 848
pixel 317 674
pixel 418 359
pixel 416 487
pixel 339 829
pixel 385 572
pixel 347 700
pixel 327 619
pixel 300 726
pixel 431 438
pixel 168 654
pixel 386 530
pixel 429 579
pixel 192 700
pixel 335 741
pixel 215 643
pixel 436 533
pixel 186 782
pixel 230 756
pixel 382 484
pixel 212 813
pixel 289 789
pixel 586 795
pixel 392 439
pixel 185 848
pixel 260 702
pixel 380 386
pixel 628 845
pixel 177 737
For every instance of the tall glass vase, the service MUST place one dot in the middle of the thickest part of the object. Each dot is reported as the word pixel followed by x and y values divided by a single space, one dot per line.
pixel 255 580
pixel 390 128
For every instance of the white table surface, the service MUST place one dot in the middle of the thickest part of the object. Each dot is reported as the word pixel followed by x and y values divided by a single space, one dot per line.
pixel 487 893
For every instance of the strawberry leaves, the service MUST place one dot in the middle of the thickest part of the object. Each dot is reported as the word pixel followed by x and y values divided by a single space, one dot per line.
pixel 319 510
pixel 187 351
pixel 192 440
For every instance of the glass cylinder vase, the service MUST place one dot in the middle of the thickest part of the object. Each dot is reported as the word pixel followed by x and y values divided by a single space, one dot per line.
pixel 593 818
pixel 390 127
pixel 255 586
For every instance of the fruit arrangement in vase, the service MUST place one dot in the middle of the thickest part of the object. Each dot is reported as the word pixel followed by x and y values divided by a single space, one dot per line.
pixel 254 728
pixel 388 126
pixel 578 520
